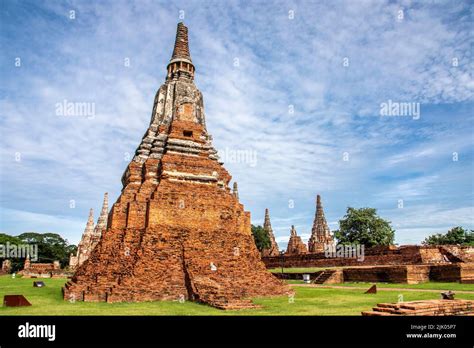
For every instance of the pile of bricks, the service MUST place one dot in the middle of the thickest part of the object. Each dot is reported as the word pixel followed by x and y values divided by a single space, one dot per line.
pixel 422 308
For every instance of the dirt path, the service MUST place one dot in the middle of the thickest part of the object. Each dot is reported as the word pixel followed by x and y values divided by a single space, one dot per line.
pixel 378 288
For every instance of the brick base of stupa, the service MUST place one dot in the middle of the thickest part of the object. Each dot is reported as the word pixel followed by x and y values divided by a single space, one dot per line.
pixel 196 247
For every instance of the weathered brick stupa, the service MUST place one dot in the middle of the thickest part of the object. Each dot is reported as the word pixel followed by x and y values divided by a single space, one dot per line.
pixel 273 250
pixel 320 234
pixel 177 231
pixel 91 236
pixel 295 244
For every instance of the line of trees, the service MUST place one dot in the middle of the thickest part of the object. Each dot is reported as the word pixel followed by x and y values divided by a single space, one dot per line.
pixel 456 235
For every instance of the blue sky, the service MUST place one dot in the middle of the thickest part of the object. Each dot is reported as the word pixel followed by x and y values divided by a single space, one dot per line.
pixel 299 84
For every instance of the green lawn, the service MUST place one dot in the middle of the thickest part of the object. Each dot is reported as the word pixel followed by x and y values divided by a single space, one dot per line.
pixel 307 301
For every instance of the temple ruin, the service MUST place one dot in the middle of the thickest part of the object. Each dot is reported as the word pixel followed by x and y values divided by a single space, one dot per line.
pixel 6 267
pixel 321 237
pixel 91 236
pixel 273 250
pixel 177 231
pixel 295 244
pixel 42 270
pixel 410 264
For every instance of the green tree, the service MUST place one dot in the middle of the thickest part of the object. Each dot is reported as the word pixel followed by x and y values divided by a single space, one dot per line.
pixel 363 226
pixel 4 238
pixel 17 263
pixel 262 240
pixel 51 246
pixel 456 235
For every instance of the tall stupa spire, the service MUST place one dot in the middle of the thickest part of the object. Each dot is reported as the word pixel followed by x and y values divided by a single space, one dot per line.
pixel 273 250
pixel 320 233
pixel 181 45
pixel 90 223
pixel 84 246
pixel 235 190
pixel 102 221
pixel 295 244
pixel 181 63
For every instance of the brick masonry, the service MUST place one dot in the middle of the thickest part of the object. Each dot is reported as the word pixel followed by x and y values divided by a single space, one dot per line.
pixel 406 264
pixel 423 308
pixel 403 255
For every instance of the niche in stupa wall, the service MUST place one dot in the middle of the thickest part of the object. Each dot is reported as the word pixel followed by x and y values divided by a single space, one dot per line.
pixel 185 112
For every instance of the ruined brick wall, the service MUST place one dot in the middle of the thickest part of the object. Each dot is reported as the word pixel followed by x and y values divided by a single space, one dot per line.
pixel 42 267
pixel 43 270
pixel 467 272
pixel 388 274
pixel 445 273
pixel 408 274
pixel 405 255
pixel 463 253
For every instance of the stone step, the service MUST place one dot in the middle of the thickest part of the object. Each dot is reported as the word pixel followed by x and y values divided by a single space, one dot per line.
pixel 323 276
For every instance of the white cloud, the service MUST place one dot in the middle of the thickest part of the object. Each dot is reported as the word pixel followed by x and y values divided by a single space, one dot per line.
pixel 283 62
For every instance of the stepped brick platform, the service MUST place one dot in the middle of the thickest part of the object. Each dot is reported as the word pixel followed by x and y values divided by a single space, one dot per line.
pixel 424 308
pixel 334 276
pixel 177 231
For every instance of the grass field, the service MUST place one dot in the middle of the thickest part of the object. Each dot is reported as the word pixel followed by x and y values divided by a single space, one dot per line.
pixel 307 301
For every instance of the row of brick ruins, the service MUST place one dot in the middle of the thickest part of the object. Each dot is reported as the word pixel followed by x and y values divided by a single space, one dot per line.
pixel 36 270
pixel 42 270
pixel 320 239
